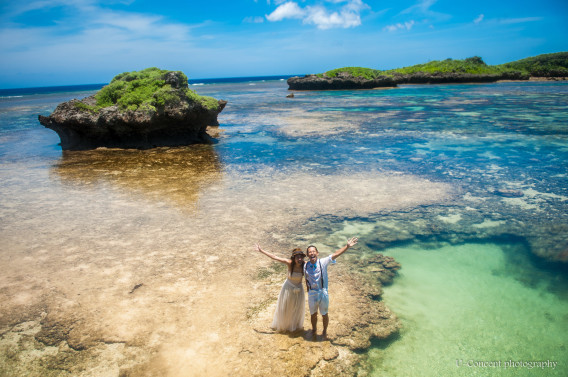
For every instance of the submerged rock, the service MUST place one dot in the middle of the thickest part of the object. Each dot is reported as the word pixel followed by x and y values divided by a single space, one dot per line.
pixel 508 193
pixel 384 268
pixel 144 109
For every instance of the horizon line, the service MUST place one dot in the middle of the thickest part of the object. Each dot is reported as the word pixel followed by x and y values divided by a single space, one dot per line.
pixel 190 81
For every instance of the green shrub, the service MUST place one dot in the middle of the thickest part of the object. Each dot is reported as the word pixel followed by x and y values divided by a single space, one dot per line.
pixel 473 65
pixel 551 65
pixel 84 107
pixel 147 90
pixel 474 60
pixel 366 73
pixel 545 65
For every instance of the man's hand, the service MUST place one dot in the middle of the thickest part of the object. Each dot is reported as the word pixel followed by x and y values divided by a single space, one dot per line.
pixel 352 242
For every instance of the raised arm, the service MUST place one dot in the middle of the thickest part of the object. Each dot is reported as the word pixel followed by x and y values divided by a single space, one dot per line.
pixel 350 243
pixel 288 262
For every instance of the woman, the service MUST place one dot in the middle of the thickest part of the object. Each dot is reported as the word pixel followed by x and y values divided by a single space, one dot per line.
pixel 290 308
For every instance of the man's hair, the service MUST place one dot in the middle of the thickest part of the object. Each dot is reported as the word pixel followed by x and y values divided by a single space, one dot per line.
pixel 313 247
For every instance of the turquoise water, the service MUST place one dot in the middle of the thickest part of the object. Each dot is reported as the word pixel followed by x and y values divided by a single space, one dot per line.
pixel 464 313
pixel 416 165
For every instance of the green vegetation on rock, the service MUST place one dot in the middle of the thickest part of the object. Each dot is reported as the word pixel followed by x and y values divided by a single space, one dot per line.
pixel 547 65
pixel 474 65
pixel 149 89
pixel 366 73
pixel 84 107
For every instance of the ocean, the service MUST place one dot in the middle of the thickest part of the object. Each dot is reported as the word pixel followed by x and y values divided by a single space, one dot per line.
pixel 465 185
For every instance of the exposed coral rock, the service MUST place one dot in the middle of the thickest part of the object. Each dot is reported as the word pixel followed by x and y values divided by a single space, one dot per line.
pixel 180 118
pixel 345 80
pixel 452 77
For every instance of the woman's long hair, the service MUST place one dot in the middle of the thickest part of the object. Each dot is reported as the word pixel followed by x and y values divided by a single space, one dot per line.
pixel 294 261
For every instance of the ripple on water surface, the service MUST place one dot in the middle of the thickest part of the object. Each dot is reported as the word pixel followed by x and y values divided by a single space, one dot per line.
pixel 463 305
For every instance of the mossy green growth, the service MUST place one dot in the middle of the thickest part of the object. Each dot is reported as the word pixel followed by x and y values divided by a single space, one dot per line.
pixel 545 65
pixel 474 65
pixel 366 73
pixel 147 90
pixel 84 107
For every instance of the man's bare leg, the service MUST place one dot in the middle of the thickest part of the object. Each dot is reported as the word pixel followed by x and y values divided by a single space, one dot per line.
pixel 325 323
pixel 314 323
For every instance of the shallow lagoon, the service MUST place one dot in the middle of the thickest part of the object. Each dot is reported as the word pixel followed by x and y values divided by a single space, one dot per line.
pixel 465 305
pixel 417 165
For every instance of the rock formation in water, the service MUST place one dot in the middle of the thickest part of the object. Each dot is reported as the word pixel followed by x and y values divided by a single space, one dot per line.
pixel 345 80
pixel 144 109
pixel 470 70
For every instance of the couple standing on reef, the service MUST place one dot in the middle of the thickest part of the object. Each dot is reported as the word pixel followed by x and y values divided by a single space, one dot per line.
pixel 290 308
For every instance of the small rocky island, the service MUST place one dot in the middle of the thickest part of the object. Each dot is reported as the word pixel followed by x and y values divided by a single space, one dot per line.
pixel 470 70
pixel 141 109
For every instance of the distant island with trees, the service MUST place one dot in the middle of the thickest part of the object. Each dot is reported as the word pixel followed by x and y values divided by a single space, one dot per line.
pixel 470 70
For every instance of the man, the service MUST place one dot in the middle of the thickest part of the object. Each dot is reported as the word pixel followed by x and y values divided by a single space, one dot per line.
pixel 315 272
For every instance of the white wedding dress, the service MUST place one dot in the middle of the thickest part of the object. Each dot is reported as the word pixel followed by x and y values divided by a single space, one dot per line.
pixel 291 306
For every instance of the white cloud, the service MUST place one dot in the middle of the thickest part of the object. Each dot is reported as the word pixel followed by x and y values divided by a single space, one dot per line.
pixel 505 21
pixel 87 39
pixel 400 26
pixel 324 19
pixel 348 15
pixel 423 7
pixel 286 10
pixel 422 10
pixel 519 20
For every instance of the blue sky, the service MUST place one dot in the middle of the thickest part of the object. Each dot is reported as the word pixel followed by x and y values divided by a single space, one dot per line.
pixel 65 42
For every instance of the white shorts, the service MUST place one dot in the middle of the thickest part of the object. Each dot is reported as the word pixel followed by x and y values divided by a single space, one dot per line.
pixel 318 299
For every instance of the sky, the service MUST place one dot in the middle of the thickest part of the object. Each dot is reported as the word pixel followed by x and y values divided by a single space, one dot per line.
pixel 68 42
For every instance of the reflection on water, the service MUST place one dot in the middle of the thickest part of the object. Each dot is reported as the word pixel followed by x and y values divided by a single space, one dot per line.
pixel 175 174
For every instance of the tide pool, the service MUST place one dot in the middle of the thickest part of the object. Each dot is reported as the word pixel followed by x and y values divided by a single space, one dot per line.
pixel 465 312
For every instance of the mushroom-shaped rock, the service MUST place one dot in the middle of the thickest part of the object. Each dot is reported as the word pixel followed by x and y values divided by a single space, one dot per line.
pixel 144 109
